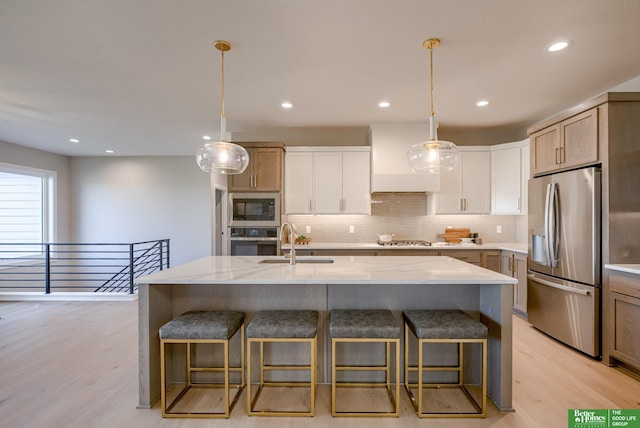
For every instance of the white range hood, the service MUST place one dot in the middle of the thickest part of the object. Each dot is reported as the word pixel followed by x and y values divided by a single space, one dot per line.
pixel 390 171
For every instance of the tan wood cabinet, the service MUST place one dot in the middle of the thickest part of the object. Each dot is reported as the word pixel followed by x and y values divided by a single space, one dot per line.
pixel 621 318
pixel 567 144
pixel 491 260
pixel 515 265
pixel 264 172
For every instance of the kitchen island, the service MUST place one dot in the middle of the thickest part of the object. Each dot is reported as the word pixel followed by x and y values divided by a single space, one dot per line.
pixel 382 282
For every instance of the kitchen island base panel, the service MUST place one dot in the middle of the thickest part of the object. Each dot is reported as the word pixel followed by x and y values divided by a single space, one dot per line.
pixel 491 303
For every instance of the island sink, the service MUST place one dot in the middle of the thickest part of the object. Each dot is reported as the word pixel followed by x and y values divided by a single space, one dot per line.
pixel 303 259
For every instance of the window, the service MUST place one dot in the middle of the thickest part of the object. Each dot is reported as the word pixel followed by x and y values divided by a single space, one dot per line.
pixel 26 209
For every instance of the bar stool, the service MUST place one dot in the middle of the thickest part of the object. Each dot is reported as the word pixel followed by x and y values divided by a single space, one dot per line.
pixel 268 327
pixel 366 326
pixel 440 327
pixel 198 328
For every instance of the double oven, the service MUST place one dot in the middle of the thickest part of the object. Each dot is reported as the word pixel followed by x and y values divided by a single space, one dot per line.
pixel 254 224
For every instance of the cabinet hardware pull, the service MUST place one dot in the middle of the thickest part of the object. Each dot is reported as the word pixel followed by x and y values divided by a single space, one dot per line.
pixel 461 204
pixel 562 159
pixel 556 156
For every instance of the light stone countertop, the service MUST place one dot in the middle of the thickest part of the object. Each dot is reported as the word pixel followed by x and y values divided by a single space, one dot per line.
pixel 509 246
pixel 344 270
pixel 628 268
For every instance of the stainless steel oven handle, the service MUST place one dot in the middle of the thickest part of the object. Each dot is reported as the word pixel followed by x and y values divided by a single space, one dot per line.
pixel 252 239
pixel 558 286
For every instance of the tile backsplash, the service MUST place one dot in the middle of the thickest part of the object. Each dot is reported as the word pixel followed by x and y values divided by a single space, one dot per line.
pixel 406 216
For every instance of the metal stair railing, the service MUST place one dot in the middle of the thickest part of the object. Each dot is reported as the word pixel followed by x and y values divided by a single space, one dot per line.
pixel 96 267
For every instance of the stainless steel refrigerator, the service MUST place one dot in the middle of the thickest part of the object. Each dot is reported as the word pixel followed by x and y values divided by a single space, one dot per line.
pixel 563 282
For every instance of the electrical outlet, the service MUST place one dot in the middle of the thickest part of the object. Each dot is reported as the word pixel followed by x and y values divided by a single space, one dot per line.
pixel 352 229
pixel 308 229
pixel 498 229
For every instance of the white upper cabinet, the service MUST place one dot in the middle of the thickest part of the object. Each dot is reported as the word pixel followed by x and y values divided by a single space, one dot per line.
pixel 509 176
pixel 327 180
pixel 356 191
pixel 298 182
pixel 466 189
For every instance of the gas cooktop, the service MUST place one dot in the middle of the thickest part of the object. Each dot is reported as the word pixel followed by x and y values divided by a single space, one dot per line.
pixel 405 243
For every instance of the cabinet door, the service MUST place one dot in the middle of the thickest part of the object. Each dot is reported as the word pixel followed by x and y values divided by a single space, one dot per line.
pixel 298 183
pixel 491 260
pixel 476 182
pixel 506 181
pixel 580 139
pixel 243 182
pixel 356 192
pixel 267 169
pixel 520 272
pixel 524 179
pixel 507 269
pixel 327 182
pixel 545 146
pixel 449 198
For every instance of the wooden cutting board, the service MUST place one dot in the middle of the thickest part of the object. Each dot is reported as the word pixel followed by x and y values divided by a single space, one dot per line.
pixel 455 234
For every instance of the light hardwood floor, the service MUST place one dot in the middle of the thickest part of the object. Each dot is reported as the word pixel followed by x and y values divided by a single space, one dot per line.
pixel 74 364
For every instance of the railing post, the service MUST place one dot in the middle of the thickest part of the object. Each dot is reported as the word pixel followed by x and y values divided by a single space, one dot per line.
pixel 47 269
pixel 168 255
pixel 161 245
pixel 130 268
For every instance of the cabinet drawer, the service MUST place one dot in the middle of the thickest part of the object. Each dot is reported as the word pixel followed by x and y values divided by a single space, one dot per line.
pixel 469 256
pixel 624 284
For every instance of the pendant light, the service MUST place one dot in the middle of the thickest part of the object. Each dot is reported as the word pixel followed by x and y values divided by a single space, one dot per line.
pixel 433 156
pixel 222 156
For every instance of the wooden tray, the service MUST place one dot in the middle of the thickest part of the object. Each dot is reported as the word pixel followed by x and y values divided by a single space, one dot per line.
pixel 455 234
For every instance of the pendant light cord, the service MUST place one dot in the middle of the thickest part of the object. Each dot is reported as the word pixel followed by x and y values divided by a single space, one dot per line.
pixel 431 79
pixel 222 91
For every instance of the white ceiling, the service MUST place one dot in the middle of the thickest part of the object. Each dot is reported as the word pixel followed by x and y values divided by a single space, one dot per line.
pixel 142 77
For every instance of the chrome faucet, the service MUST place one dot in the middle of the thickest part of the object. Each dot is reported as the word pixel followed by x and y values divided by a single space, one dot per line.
pixel 292 238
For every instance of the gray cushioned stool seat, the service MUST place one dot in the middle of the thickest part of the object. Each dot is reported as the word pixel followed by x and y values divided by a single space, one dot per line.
pixel 194 325
pixel 364 323
pixel 444 324
pixel 283 324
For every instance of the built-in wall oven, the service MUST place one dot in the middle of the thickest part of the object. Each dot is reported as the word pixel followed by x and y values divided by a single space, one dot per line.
pixel 254 224
pixel 254 241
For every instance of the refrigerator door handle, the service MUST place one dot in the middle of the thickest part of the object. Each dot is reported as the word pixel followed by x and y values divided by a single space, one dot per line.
pixel 547 225
pixel 559 286
pixel 554 205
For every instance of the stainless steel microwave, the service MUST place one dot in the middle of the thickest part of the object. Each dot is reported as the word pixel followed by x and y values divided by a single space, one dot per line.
pixel 254 209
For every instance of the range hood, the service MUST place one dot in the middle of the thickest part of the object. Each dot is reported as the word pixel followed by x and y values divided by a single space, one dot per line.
pixel 390 171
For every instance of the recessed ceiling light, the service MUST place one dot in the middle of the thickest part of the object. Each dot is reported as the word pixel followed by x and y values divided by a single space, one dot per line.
pixel 482 103
pixel 206 137
pixel 109 151
pixel 74 140
pixel 557 46
pixel 286 104
pixel 384 104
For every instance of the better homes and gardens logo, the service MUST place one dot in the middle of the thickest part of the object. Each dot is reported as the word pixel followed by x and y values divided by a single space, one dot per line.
pixel 604 418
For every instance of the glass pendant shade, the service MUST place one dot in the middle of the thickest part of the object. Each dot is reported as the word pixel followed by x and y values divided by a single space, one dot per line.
pixel 222 157
pixel 433 156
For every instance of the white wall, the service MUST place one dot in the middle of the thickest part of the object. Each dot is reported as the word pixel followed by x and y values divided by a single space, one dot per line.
pixel 25 156
pixel 130 199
